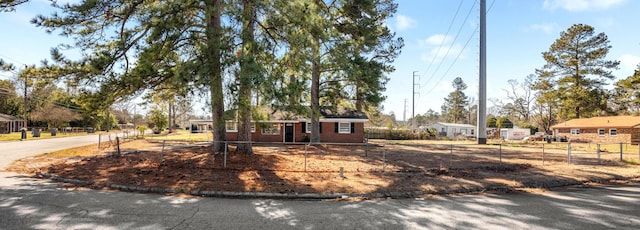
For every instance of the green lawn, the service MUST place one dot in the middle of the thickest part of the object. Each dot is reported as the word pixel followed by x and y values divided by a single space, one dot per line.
pixel 180 135
pixel 16 136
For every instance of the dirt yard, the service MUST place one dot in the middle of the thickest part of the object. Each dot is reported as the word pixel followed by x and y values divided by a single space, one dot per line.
pixel 428 167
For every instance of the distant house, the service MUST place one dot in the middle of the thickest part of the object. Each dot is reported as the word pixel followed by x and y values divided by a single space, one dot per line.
pixel 344 126
pixel 514 133
pixel 9 123
pixel 452 129
pixel 611 129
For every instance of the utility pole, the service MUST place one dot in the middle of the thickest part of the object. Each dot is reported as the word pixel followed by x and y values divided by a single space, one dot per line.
pixel 24 111
pixel 404 113
pixel 482 102
pixel 413 109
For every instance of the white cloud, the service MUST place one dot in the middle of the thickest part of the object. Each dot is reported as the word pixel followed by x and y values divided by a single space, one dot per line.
pixel 628 64
pixel 404 22
pixel 437 56
pixel 545 28
pixel 436 39
pixel 581 5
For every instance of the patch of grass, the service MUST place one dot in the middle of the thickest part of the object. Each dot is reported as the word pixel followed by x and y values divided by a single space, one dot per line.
pixel 16 136
pixel 87 150
pixel 181 135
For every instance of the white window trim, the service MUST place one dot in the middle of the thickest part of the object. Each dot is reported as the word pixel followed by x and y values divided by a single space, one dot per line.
pixel 603 132
pixel 610 134
pixel 253 127
pixel 277 127
pixel 231 130
pixel 343 130
pixel 308 127
pixel 575 132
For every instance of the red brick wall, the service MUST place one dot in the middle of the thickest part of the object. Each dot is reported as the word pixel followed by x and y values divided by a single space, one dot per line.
pixel 328 134
pixel 591 135
pixel 257 136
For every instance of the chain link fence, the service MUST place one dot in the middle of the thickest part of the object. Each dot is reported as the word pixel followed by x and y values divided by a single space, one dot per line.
pixel 376 157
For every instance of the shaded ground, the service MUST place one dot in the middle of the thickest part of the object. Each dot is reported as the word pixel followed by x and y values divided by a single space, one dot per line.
pixel 429 167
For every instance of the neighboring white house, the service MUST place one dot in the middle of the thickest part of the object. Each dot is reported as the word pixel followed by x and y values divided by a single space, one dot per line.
pixel 452 129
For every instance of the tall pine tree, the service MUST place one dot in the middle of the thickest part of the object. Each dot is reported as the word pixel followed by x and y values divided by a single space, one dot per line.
pixel 455 104
pixel 576 72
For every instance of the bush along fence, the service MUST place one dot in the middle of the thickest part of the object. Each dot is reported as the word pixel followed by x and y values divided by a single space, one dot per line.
pixel 398 134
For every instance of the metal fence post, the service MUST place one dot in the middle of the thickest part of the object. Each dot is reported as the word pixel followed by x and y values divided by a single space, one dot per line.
pixel 305 157
pixel 118 144
pixel 500 155
pixel 569 153
pixel 225 154
pixel 384 159
pixel 599 154
pixel 542 154
pixel 620 151
pixel 451 156
pixel 366 148
pixel 162 153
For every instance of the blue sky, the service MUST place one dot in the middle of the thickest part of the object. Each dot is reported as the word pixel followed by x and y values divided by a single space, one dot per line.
pixel 517 33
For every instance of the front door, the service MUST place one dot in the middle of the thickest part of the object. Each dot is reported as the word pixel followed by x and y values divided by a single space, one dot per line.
pixel 288 132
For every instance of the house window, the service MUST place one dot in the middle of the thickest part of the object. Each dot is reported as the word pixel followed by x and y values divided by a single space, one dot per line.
pixel 613 132
pixel 253 127
pixel 271 129
pixel 600 132
pixel 575 131
pixel 472 132
pixel 232 126
pixel 308 127
pixel 344 127
pixel 443 130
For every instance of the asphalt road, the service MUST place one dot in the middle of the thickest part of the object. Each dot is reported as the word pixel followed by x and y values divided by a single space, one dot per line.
pixel 27 203
pixel 14 150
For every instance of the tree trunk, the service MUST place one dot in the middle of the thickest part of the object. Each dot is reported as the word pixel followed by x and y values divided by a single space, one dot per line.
pixel 315 92
pixel 247 71
pixel 108 120
pixel 358 98
pixel 213 54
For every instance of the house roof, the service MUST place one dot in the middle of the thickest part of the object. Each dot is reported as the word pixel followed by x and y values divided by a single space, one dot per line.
pixel 342 112
pixel 601 122
pixel 456 125
pixel 6 117
pixel 326 114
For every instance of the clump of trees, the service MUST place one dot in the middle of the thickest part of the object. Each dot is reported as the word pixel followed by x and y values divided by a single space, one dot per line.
pixel 241 54
pixel 571 84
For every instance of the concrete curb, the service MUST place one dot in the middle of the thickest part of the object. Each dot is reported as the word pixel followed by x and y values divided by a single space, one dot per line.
pixel 300 196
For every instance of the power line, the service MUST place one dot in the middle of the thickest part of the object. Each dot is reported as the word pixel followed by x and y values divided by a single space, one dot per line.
pixel 454 62
pixel 460 53
pixel 442 43
pixel 14 60
pixel 455 38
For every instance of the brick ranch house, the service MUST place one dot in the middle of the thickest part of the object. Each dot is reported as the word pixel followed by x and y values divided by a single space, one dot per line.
pixel 611 129
pixel 344 126
pixel 9 123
